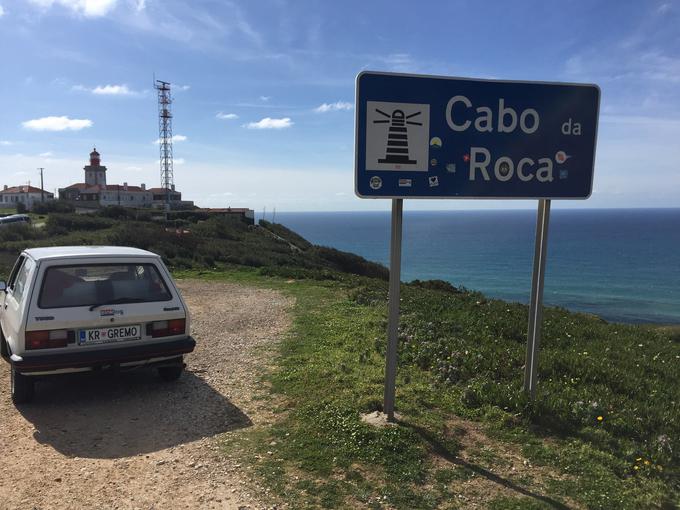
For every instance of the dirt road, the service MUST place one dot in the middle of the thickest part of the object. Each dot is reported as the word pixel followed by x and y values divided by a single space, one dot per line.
pixel 133 441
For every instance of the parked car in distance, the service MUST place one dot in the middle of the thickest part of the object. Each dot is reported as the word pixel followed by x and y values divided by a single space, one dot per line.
pixel 15 219
pixel 80 308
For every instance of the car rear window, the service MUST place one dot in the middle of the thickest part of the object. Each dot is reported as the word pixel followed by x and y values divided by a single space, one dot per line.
pixel 101 284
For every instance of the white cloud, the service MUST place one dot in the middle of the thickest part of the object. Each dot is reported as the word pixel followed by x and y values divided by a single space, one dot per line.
pixel 175 138
pixel 134 168
pixel 399 62
pixel 269 123
pixel 47 154
pixel 113 90
pixel 88 8
pixel 226 116
pixel 2 11
pixel 663 8
pixel 334 107
pixel 182 87
pixel 108 90
pixel 179 161
pixel 52 123
pixel 265 98
pixel 5 143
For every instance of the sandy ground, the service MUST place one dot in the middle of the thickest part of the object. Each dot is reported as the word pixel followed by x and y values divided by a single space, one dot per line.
pixel 132 441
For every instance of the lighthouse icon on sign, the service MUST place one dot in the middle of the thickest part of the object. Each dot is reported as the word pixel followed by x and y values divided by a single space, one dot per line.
pixel 397 136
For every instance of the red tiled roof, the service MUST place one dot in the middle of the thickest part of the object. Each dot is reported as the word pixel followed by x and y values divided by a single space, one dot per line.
pixel 22 189
pixel 78 185
pixel 98 187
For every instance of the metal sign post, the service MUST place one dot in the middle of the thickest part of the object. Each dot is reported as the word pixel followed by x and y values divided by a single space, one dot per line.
pixel 394 299
pixel 536 303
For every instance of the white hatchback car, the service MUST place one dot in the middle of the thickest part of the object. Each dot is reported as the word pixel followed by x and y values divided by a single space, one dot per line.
pixel 79 308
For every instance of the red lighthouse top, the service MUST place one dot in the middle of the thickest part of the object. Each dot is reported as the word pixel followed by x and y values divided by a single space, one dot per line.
pixel 94 157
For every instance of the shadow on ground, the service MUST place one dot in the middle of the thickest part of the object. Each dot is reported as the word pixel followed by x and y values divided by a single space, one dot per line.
pixel 113 415
pixel 441 450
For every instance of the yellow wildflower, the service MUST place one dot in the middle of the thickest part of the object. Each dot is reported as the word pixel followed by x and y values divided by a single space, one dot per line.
pixel 600 418
pixel 636 467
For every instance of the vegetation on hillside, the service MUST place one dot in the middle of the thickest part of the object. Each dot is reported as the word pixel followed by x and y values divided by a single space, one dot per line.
pixel 190 241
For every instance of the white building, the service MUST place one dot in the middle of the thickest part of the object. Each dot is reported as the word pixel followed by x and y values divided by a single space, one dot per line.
pixel 27 195
pixel 95 192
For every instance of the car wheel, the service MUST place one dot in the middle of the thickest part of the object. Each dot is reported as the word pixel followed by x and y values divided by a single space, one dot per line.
pixel 171 373
pixel 4 349
pixel 22 387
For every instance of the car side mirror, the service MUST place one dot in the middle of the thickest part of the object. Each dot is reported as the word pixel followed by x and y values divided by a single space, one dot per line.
pixel 3 286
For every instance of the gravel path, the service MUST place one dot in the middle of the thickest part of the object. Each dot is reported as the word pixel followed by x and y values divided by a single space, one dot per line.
pixel 133 441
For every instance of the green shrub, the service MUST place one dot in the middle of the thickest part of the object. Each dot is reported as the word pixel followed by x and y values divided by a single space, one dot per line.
pixel 58 224
pixel 19 232
pixel 351 263
pixel 117 212
pixel 190 216
pixel 441 285
pixel 52 206
pixel 286 234
pixel 220 227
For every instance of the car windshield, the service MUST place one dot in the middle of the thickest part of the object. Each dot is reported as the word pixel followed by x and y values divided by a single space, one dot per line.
pixel 101 284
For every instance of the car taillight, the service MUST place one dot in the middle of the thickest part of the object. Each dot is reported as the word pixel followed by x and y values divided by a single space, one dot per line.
pixel 48 338
pixel 166 328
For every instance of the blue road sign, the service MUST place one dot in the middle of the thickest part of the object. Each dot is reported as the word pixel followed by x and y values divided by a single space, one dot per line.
pixel 438 137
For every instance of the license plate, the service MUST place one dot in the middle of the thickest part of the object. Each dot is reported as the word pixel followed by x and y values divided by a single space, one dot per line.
pixel 109 335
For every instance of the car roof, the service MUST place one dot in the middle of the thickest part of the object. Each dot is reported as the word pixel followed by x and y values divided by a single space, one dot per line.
pixel 59 252
pixel 12 216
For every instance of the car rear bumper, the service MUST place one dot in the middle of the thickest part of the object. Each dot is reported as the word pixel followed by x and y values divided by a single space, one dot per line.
pixel 102 357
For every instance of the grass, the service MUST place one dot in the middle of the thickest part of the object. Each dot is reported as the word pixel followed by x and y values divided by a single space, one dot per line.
pixel 467 435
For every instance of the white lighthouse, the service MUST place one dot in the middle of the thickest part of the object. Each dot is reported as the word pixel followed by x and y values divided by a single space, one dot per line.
pixel 95 173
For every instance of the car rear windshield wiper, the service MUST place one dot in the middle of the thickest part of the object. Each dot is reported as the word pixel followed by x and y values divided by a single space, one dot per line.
pixel 118 302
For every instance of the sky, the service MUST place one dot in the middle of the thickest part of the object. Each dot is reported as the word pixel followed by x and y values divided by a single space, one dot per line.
pixel 264 91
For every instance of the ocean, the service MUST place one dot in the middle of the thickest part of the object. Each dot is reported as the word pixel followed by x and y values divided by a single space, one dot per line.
pixel 621 264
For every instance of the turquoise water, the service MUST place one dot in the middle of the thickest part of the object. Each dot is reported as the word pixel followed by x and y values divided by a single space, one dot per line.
pixel 621 264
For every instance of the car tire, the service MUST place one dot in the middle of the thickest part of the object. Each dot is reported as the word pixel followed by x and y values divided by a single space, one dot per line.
pixel 4 348
pixel 22 387
pixel 171 373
